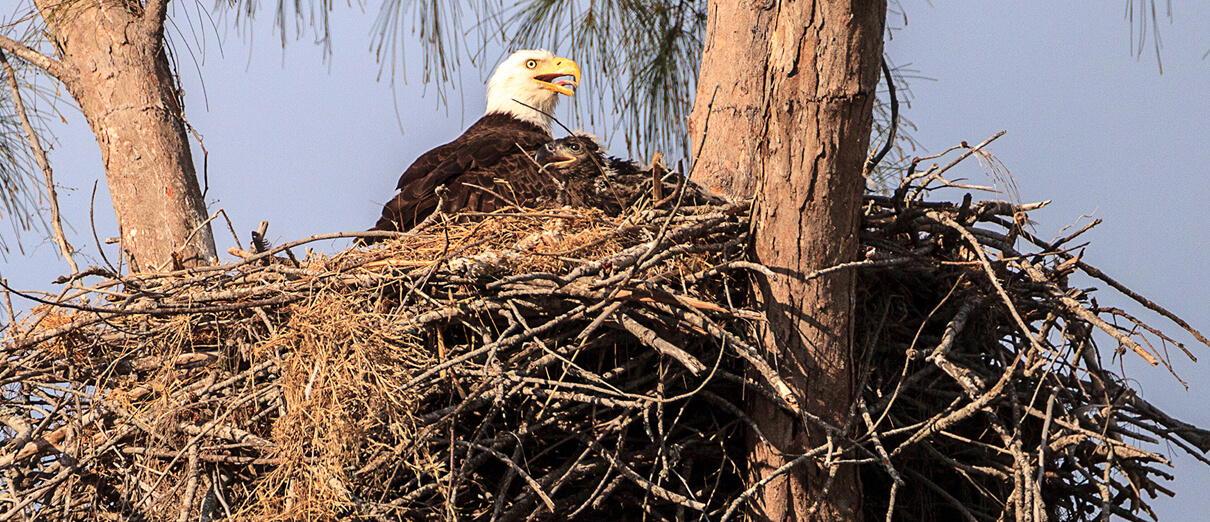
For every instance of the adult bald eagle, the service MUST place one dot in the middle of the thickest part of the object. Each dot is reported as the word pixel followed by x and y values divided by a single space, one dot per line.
pixel 612 184
pixel 488 166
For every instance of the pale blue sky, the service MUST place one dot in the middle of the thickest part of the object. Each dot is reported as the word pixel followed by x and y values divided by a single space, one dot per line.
pixel 316 147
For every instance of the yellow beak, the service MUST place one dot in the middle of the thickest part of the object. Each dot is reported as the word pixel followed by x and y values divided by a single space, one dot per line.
pixel 548 76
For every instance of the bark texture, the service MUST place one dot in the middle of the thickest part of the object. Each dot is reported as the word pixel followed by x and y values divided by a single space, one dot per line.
pixel 790 124
pixel 113 63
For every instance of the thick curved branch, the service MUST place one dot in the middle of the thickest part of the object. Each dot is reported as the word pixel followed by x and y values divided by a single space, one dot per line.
pixel 890 139
pixel 35 58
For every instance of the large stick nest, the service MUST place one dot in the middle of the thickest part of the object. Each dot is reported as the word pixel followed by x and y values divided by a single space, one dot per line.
pixel 559 364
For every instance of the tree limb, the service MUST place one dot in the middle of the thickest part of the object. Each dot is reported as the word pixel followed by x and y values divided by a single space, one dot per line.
pixel 152 25
pixel 35 58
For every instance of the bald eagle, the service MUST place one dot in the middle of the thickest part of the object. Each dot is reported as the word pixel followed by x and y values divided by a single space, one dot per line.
pixel 593 179
pixel 488 166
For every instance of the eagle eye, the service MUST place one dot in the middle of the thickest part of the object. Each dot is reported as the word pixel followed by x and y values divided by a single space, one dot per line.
pixel 531 63
pixel 575 146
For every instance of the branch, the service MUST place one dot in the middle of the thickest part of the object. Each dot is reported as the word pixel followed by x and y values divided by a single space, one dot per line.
pixel 152 25
pixel 873 161
pixel 35 58
pixel 1094 272
pixel 40 156
pixel 1076 308
pixel 651 487
pixel 533 484
pixel 981 257
pixel 653 340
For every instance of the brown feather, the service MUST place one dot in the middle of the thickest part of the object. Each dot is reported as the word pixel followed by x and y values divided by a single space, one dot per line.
pixel 494 154
pixel 611 184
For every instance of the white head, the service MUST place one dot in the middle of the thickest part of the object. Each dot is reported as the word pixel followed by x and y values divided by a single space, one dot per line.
pixel 535 78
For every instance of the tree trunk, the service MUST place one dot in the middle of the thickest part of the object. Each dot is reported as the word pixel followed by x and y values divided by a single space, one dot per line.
pixel 114 64
pixel 790 124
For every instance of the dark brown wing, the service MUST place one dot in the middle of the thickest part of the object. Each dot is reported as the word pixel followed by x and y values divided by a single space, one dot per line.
pixel 405 206
pixel 511 180
pixel 492 153
pixel 624 185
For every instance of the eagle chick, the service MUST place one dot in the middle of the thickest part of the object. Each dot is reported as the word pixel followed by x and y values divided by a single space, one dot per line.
pixel 593 179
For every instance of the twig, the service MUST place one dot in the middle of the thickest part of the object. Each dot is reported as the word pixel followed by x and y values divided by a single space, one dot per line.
pixel 1149 304
pixel 936 174
pixel 785 468
pixel 653 340
pixel 550 504
pixel 92 221
pixel 981 257
pixel 190 486
pixel 1075 307
pixel 652 488
pixel 876 158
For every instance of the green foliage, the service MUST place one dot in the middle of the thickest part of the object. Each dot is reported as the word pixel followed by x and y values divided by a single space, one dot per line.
pixel 17 204
pixel 640 58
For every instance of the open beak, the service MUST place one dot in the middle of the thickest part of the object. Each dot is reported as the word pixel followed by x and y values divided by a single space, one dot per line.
pixel 546 158
pixel 552 76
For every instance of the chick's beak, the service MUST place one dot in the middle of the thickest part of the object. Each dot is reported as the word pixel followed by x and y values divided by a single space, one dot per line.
pixel 551 76
pixel 546 158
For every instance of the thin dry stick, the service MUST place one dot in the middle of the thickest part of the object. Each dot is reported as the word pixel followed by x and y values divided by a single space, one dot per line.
pixel 785 468
pixel 191 485
pixel 981 257
pixel 8 304
pixel 550 504
pixel 1078 309
pixel 936 175
pixel 1050 411
pixel 35 146
pixel 1097 273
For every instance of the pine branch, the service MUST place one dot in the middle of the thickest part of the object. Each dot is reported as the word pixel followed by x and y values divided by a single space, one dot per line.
pixel 35 58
